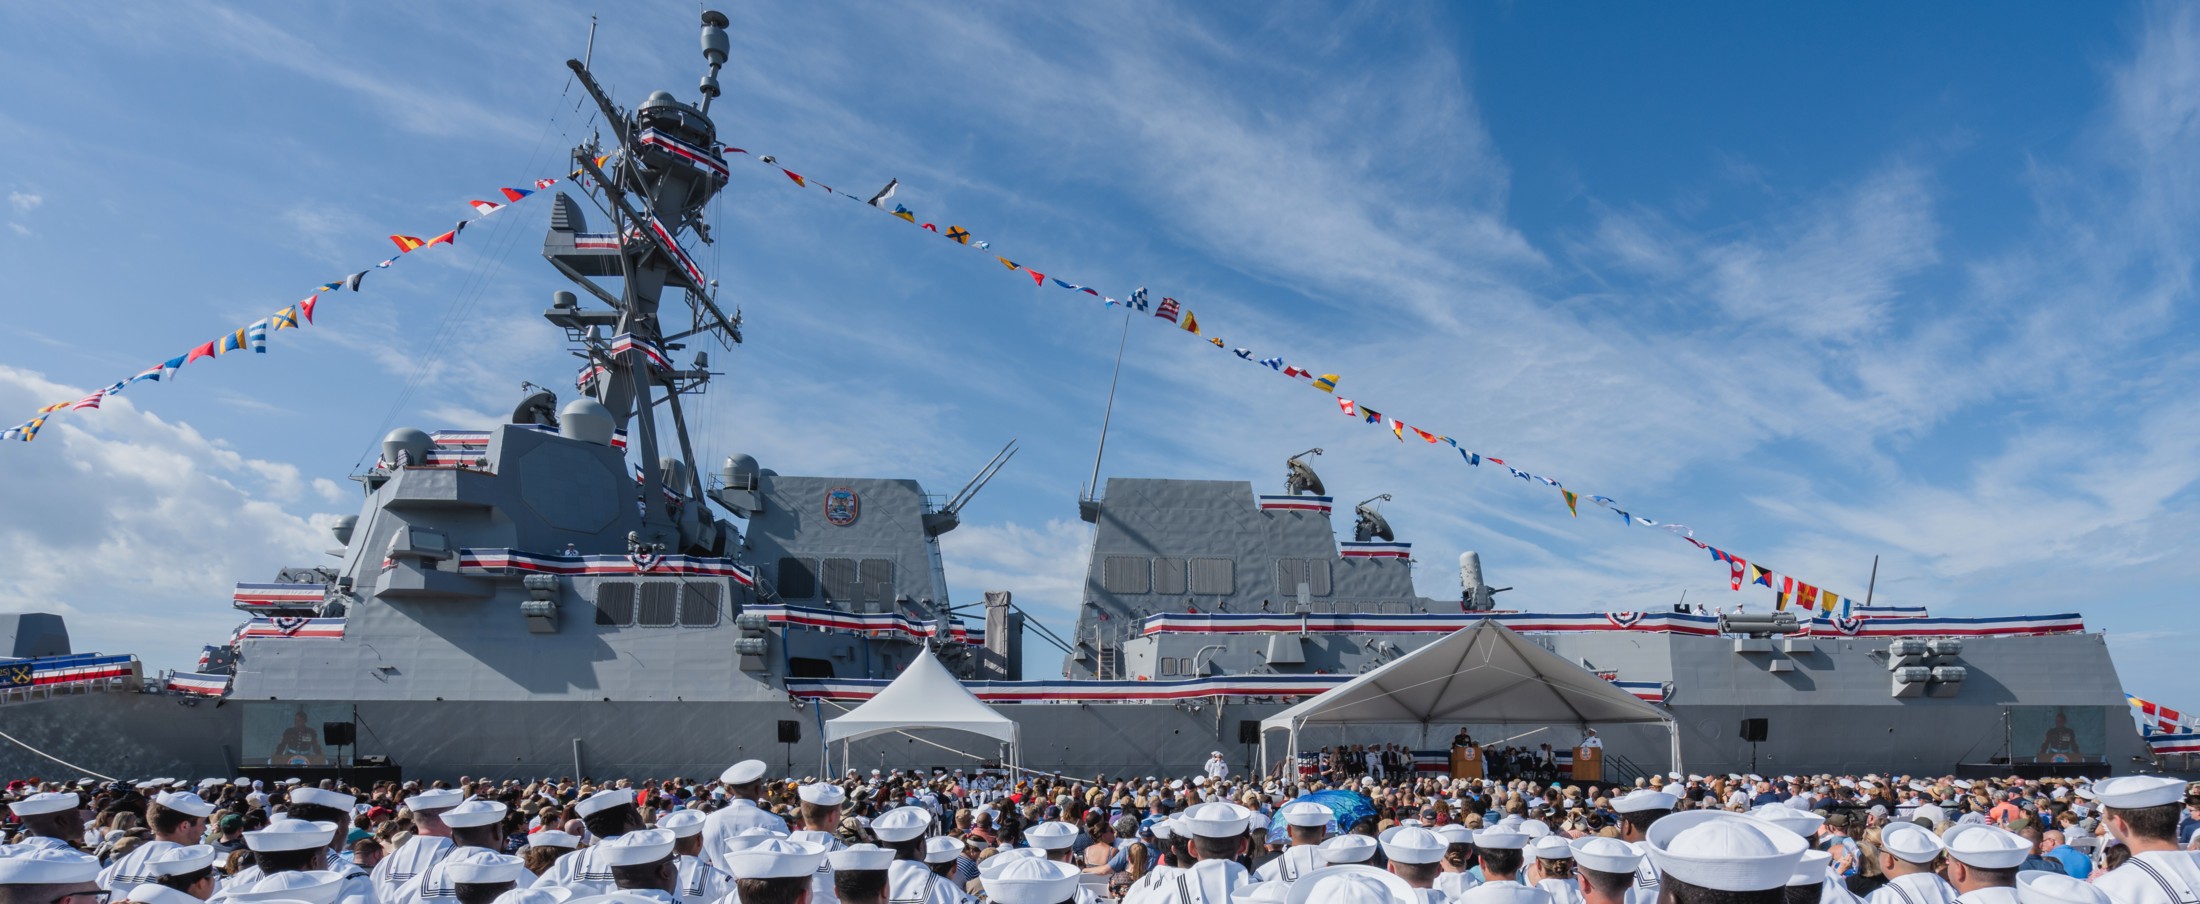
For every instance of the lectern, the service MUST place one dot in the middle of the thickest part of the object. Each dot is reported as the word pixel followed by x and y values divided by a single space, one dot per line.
pixel 1589 764
pixel 1466 762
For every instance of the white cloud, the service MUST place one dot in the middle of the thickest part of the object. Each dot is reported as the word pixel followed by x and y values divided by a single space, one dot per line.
pixel 25 202
pixel 19 228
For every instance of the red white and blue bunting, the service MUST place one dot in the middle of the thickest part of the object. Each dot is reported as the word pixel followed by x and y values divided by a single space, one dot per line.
pixel 1319 505
pixel 1568 622
pixel 290 628
pixel 513 561
pixel 198 684
pixel 71 669
pixel 279 596
pixel 1374 550
pixel 2173 743
pixel 873 624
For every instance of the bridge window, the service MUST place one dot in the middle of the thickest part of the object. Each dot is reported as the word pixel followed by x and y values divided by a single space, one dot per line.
pixel 1290 573
pixel 797 578
pixel 1124 574
pixel 839 580
pixel 1168 576
pixel 615 603
pixel 699 605
pixel 660 602
pixel 806 667
pixel 1168 666
pixel 1214 577
pixel 877 578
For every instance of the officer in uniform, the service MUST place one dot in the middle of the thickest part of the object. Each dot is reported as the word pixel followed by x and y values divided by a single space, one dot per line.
pixel 178 875
pixel 610 814
pixel 1910 855
pixel 1306 824
pixel 908 881
pixel 744 783
pixel 178 819
pixel 430 841
pixel 1637 810
pixel 698 882
pixel 2141 811
pixel 1982 863
pixel 476 825
pixel 821 825
pixel 1707 855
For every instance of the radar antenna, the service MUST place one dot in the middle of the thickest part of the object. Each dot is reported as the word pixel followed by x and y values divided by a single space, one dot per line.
pixel 1369 524
pixel 949 515
pixel 1299 477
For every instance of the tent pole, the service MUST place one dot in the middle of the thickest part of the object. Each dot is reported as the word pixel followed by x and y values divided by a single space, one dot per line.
pixel 1674 726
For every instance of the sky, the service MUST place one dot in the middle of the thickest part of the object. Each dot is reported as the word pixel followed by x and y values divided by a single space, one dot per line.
pixel 1821 284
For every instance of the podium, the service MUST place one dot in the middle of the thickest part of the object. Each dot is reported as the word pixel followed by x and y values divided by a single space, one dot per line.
pixel 1466 762
pixel 1589 764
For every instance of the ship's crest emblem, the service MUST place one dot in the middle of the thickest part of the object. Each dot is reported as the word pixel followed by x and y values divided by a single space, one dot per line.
pixel 1623 619
pixel 842 506
pixel 16 675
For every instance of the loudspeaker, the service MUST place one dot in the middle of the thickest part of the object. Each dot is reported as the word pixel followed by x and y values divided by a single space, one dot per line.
pixel 338 734
pixel 790 731
pixel 1753 730
pixel 1248 731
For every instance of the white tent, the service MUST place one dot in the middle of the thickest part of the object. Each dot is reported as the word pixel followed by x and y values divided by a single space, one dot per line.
pixel 1484 674
pixel 924 695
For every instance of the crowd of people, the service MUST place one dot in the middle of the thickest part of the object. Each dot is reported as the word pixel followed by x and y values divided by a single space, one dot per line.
pixel 1347 834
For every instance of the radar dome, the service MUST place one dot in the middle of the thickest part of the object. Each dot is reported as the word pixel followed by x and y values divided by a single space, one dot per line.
pixel 740 472
pixel 586 420
pixel 406 446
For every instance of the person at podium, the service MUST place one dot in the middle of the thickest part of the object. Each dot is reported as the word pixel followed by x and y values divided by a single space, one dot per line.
pixel 1462 739
pixel 1591 740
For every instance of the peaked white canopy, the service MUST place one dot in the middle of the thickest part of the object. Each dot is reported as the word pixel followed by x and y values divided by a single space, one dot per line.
pixel 925 695
pixel 1483 675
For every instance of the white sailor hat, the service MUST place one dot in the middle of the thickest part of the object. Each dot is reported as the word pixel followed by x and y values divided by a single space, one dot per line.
pixel 2038 886
pixel 322 798
pixel 682 823
pixel 1308 814
pixel 636 848
pixel 1987 847
pixel 1500 839
pixel 901 823
pixel 45 802
pixel 241 782
pixel 1722 851
pixel 1001 860
pixel 778 858
pixel 311 886
pixel 203 783
pixel 291 782
pixel 548 894
pixel 1964 784
pixel 1911 842
pixel 2138 792
pixel 1414 844
pixel 873 857
pixel 1609 855
pixel 822 794
pixel 1347 849
pixel 744 772
pixel 1030 880
pixel 1931 813
pixel 24 864
pixel 939 849
pixel 1216 819
pixel 751 837
pixel 184 802
pixel 1270 892
pixel 437 799
pixel 599 801
pixel 291 835
pixel 471 814
pixel 1811 869
pixel 1051 836
pixel 1454 833
pixel 550 838
pixel 1163 828
pixel 1802 822
pixel 481 866
pixel 1535 828
pixel 1552 847
pixel 176 861
pixel 1644 799
pixel 1352 884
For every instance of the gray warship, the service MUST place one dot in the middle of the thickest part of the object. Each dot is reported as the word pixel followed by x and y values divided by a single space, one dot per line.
pixel 576 592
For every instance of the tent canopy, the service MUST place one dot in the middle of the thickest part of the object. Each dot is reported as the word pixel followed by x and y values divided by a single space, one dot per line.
pixel 1485 674
pixel 925 695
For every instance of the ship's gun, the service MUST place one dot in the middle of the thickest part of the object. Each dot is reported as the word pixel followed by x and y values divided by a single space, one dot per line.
pixel 1759 624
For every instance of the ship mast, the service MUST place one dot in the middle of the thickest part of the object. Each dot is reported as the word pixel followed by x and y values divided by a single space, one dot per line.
pixel 662 166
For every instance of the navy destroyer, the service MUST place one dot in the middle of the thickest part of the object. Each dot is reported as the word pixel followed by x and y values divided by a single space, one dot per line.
pixel 582 591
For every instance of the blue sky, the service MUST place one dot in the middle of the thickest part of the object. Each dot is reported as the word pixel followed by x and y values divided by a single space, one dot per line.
pixel 1822 284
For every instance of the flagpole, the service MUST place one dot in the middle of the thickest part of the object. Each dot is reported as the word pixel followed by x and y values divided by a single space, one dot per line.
pixel 1092 490
pixel 1874 583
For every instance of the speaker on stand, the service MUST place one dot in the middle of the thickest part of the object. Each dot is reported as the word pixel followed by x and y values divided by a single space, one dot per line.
pixel 340 735
pixel 790 731
pixel 1754 731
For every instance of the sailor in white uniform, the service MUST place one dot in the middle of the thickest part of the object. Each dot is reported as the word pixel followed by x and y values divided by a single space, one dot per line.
pixel 859 872
pixel 312 886
pixel 1502 853
pixel 1416 855
pixel 1983 861
pixel 2142 811
pixel 1168 849
pixel 1701 853
pixel 1350 883
pixel 1217 832
pixel 287 846
pixel 1606 868
pixel 178 874
pixel 1805 825
pixel 698 882
pixel 178 820
pixel 1216 770
pixel 51 819
pixel 480 875
pixel 775 869
pixel 1458 859
pixel 641 864
pixel 610 814
pixel 476 825
pixel 1637 810
pixel 1910 855
pixel 1554 869
pixel 940 852
pixel 1306 824
pixel 744 783
pixel 1346 849
pixel 334 807
pixel 821 825
pixel 908 880
pixel 565 843
pixel 1052 839
pixel 430 841
pixel 1031 880
pixel 2044 887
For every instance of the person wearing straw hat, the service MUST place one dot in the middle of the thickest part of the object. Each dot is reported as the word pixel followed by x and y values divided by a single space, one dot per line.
pixel 1983 861
pixel 909 879
pixel 1910 855
pixel 180 875
pixel 431 840
pixel 859 873
pixel 744 784
pixel 1711 857
pixel 1305 825
pixel 2141 811
pixel 775 871
pixel 820 817
pixel 1606 867
pixel 178 819
pixel 474 825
